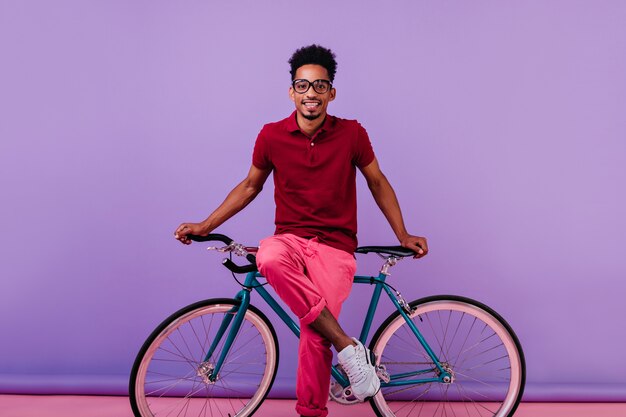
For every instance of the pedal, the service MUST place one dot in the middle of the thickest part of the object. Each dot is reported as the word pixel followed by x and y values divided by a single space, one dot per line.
pixel 381 370
pixel 382 374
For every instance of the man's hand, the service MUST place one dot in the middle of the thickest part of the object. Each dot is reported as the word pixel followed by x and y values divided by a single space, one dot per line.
pixel 186 229
pixel 417 244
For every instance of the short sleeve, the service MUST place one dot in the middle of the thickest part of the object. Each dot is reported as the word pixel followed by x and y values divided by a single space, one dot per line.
pixel 261 155
pixel 364 154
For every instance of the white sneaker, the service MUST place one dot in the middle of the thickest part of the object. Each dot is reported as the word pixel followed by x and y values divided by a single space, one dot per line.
pixel 355 361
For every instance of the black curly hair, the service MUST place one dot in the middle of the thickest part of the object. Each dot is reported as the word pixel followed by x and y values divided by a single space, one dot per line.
pixel 313 54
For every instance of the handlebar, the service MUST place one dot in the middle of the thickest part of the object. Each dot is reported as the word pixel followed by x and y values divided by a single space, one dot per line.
pixel 387 252
pixel 234 247
pixel 211 237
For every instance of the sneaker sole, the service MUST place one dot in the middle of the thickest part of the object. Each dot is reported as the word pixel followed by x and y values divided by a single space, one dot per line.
pixel 377 391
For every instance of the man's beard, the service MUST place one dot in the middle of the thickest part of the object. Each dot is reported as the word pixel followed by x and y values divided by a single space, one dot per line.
pixel 311 116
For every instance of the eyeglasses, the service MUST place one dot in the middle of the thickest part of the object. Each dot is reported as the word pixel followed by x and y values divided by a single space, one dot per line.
pixel 320 86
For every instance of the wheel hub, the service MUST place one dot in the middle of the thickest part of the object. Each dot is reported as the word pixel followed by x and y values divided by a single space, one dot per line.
pixel 447 379
pixel 205 371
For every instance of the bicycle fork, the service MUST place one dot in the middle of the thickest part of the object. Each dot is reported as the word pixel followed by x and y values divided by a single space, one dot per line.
pixel 209 371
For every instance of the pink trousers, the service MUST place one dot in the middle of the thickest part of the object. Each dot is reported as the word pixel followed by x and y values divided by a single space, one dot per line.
pixel 308 276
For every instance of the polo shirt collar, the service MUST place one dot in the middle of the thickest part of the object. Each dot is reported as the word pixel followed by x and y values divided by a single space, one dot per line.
pixel 292 124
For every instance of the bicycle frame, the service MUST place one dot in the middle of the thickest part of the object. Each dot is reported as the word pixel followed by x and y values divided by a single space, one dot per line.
pixel 251 282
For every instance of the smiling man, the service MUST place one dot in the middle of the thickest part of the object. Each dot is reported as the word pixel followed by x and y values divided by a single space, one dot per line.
pixel 309 261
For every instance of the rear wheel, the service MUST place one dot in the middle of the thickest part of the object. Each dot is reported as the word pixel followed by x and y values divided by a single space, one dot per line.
pixel 169 376
pixel 473 343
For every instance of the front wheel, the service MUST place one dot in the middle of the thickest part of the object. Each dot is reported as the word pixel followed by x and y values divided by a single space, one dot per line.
pixel 473 343
pixel 169 376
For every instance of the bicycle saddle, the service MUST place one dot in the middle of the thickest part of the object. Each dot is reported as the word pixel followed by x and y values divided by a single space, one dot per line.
pixel 387 250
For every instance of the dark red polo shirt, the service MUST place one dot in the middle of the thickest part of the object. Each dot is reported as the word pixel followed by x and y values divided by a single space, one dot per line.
pixel 315 177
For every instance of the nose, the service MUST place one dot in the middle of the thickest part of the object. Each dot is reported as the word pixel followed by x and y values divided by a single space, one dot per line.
pixel 311 93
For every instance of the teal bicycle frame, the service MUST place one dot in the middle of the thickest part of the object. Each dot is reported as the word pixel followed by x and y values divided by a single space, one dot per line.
pixel 235 316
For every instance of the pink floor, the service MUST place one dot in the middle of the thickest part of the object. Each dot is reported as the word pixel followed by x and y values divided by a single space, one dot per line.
pixel 87 406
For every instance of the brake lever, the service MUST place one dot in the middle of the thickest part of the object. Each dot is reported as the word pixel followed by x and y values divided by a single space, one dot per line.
pixel 227 248
pixel 239 250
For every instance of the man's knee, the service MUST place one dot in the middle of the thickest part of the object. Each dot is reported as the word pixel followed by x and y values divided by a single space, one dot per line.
pixel 273 256
pixel 270 264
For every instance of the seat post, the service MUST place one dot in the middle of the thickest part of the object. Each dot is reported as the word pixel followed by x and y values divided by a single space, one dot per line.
pixel 389 262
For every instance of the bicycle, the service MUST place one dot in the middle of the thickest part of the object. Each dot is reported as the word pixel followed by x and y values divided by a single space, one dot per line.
pixel 438 355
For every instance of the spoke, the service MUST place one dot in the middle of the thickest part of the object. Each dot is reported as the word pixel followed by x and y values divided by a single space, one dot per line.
pixel 477 380
pixel 207 330
pixel 243 354
pixel 488 350
pixel 415 348
pixel 185 359
pixel 444 391
pixel 434 333
pixel 185 407
pixel 456 331
pixel 169 360
pixel 487 363
pixel 180 353
pixel 415 400
pixel 476 404
pixel 182 336
pixel 411 346
pixel 223 375
pixel 458 389
pixel 158 381
pixel 209 402
pixel 410 387
pixel 204 406
pixel 475 345
pixel 200 345
pixel 445 336
pixel 162 374
pixel 465 341
pixel 168 387
pixel 438 405
pixel 185 400
pixel 230 399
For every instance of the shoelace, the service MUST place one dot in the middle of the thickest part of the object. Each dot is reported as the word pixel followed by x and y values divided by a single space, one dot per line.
pixel 358 369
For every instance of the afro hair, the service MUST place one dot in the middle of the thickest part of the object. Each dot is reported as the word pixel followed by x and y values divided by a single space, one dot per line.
pixel 314 54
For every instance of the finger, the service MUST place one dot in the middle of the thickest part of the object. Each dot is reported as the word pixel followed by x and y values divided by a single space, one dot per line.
pixel 420 250
pixel 421 242
pixel 423 248
pixel 182 231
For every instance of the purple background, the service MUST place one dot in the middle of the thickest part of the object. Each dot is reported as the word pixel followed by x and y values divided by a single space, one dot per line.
pixel 500 125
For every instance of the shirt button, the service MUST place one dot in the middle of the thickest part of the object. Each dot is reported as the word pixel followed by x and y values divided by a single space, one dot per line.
pixel 312 143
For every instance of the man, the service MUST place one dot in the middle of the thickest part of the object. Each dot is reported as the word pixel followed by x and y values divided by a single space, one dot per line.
pixel 310 259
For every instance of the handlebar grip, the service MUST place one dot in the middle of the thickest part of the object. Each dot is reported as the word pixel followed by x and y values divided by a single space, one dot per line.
pixel 251 258
pixel 213 236
pixel 238 269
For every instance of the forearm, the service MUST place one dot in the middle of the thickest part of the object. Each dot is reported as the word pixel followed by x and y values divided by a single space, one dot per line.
pixel 236 201
pixel 385 197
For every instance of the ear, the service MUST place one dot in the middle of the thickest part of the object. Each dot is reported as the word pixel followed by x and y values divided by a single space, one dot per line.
pixel 292 94
pixel 333 93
